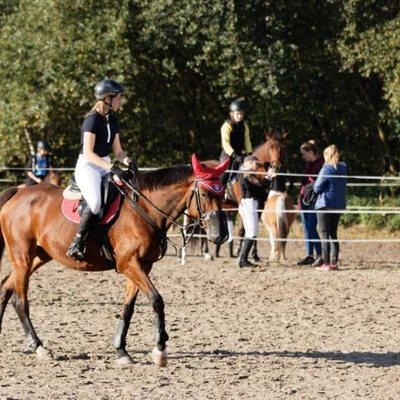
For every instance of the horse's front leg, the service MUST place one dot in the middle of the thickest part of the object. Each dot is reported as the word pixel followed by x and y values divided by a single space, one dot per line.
pixel 131 293
pixel 139 276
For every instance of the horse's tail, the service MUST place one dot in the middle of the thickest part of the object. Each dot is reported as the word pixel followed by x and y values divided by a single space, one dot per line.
pixel 4 197
pixel 282 225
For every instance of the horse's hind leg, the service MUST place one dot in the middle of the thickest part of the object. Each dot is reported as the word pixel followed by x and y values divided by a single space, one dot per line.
pixel 22 272
pixel 6 291
pixel 131 292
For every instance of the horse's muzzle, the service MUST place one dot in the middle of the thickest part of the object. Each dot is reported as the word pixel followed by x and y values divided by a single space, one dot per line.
pixel 217 227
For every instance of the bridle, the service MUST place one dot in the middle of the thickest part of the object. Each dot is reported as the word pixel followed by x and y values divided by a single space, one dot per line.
pixel 133 199
pixel 273 163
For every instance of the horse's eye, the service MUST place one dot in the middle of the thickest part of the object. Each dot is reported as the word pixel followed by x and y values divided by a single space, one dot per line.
pixel 204 195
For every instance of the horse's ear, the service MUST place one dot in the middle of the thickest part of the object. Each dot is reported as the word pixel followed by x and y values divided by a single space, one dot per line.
pixel 268 135
pixel 196 164
pixel 285 135
pixel 221 168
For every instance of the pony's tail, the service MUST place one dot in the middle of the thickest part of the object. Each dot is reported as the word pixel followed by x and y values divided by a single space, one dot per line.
pixel 281 222
pixel 4 197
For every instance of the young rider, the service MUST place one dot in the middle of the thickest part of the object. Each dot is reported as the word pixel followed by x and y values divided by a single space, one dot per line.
pixel 99 135
pixel 235 136
pixel 39 164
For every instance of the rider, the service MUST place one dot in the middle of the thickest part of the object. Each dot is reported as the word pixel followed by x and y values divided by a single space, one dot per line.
pixel 99 135
pixel 39 164
pixel 235 135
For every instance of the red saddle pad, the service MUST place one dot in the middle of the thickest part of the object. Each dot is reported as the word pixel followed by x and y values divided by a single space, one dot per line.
pixel 70 210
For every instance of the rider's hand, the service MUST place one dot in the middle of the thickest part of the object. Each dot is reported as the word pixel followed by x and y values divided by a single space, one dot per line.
pixel 237 157
pixel 133 167
pixel 38 180
pixel 121 174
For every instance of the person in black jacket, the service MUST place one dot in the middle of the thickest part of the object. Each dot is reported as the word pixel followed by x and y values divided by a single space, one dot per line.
pixel 253 185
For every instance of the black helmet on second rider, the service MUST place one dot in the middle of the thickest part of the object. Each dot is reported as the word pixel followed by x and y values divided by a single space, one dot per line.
pixel 237 105
pixel 107 87
pixel 43 145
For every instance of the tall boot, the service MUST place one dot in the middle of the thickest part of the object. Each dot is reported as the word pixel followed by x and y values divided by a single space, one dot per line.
pixel 77 249
pixel 244 254
pixel 239 248
pixel 254 253
pixel 230 244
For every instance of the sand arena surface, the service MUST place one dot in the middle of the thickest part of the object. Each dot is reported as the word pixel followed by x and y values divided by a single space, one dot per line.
pixel 273 332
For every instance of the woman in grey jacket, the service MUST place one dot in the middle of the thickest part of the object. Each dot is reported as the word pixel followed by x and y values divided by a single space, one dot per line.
pixel 331 192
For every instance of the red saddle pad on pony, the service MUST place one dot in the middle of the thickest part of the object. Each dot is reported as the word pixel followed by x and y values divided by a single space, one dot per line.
pixel 70 210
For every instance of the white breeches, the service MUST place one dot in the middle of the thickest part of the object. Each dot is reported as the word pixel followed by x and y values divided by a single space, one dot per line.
pixel 88 177
pixel 248 212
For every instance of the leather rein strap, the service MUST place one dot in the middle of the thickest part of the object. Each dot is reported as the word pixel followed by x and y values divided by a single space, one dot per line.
pixel 133 200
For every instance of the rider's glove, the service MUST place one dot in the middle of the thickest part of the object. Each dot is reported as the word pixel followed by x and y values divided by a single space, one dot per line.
pixel 237 157
pixel 123 175
pixel 133 167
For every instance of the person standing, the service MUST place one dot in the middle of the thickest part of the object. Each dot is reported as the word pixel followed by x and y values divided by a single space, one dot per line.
pixel 99 135
pixel 250 185
pixel 331 189
pixel 39 164
pixel 313 164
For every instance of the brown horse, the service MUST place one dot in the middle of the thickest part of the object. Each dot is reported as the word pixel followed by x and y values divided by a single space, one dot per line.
pixel 278 223
pixel 34 231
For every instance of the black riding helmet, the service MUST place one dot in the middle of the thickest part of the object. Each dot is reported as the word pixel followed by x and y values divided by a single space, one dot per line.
pixel 107 87
pixel 42 144
pixel 237 105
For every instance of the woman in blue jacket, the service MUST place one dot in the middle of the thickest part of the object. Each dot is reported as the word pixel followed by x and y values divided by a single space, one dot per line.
pixel 331 192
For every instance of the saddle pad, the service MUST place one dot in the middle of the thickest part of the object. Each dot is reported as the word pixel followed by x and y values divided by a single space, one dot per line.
pixel 70 210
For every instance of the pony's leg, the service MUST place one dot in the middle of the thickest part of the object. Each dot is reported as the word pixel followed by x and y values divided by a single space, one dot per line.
pixel 131 292
pixel 205 250
pixel 139 275
pixel 272 243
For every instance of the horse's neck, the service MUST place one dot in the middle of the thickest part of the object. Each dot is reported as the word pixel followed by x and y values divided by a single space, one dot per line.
pixel 261 153
pixel 170 200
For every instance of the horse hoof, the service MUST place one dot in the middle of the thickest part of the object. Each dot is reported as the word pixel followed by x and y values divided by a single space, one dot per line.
pixel 208 256
pixel 44 354
pixel 159 357
pixel 125 360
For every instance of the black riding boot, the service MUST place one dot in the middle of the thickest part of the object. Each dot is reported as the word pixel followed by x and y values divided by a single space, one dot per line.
pixel 244 254
pixel 78 246
pixel 239 248
pixel 254 252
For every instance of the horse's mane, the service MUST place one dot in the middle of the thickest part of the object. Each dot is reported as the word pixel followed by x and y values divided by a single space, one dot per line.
pixel 162 177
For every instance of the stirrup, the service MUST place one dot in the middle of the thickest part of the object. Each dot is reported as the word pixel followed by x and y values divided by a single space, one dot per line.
pixel 77 250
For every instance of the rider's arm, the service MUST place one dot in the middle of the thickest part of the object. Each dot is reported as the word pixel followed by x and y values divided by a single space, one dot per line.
pixel 247 142
pixel 226 130
pixel 120 155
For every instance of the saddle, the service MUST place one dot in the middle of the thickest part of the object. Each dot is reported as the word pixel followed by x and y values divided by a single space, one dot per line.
pixel 74 204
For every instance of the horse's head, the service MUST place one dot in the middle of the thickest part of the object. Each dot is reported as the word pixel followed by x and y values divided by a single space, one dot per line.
pixel 271 152
pixel 205 200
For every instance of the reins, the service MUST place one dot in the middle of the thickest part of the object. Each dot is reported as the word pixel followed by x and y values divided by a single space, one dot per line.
pixel 133 200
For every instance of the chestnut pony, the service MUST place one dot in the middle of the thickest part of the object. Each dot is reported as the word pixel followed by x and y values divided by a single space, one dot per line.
pixel 34 231
pixel 270 154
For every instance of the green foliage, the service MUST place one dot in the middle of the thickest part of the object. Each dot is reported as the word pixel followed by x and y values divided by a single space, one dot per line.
pixel 326 70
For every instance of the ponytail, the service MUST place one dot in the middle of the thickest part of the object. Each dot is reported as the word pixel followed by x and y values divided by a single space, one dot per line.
pixel 331 155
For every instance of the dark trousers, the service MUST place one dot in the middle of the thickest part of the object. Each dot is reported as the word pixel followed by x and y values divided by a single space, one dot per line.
pixel 328 226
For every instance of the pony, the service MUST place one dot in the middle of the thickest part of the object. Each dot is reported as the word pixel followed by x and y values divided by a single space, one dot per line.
pixel 270 153
pixel 278 223
pixel 34 231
